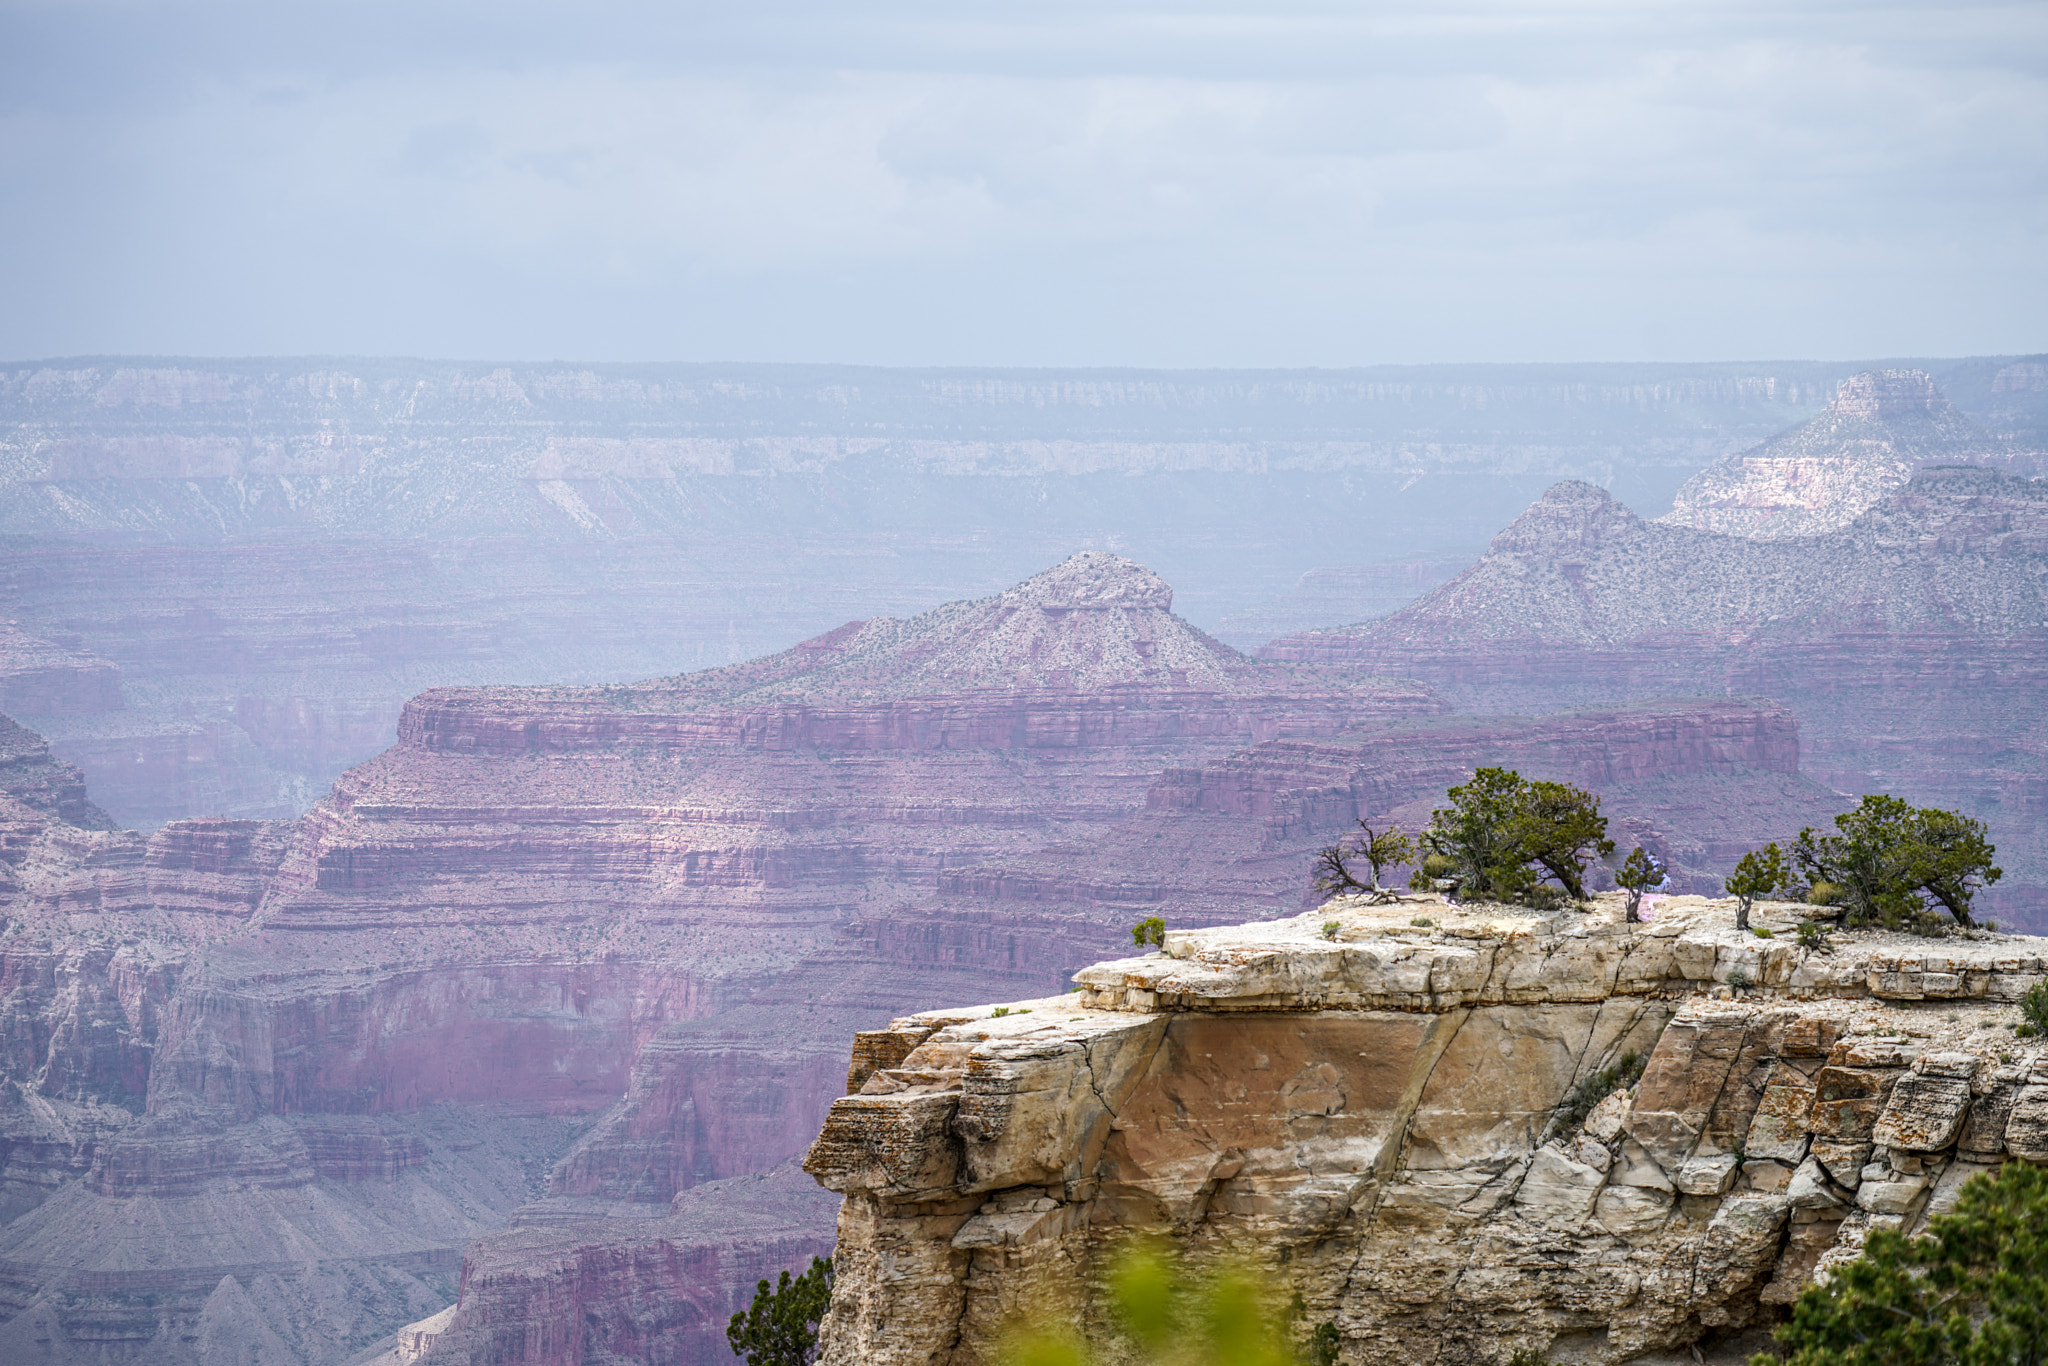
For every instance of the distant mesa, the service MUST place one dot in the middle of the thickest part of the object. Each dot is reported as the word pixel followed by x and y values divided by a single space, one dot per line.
pixel 1820 476
pixel 1091 622
pixel 1093 579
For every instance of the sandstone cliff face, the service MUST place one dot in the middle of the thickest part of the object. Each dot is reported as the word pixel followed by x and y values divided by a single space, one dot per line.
pixel 1379 1118
pixel 1821 476
pixel 1912 645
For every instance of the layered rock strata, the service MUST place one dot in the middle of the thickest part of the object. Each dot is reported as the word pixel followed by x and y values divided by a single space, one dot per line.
pixel 1911 645
pixel 540 990
pixel 269 557
pixel 1388 1108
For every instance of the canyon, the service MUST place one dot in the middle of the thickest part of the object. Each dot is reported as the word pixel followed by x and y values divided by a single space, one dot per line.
pixel 1912 644
pixel 1429 1128
pixel 447 1000
pixel 517 1036
pixel 226 578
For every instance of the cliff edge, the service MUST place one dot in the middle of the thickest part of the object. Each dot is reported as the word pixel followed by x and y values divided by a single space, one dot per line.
pixel 1402 1116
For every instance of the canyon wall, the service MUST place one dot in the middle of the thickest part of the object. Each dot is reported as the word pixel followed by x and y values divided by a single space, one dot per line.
pixel 1912 645
pixel 1397 1113
pixel 534 1010
pixel 1822 475
pixel 227 577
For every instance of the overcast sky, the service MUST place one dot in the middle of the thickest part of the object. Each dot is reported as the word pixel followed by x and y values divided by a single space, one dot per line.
pixel 1043 183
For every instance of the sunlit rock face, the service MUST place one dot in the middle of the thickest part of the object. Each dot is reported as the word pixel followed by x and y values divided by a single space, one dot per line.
pixel 1395 1111
pixel 1911 644
pixel 1822 475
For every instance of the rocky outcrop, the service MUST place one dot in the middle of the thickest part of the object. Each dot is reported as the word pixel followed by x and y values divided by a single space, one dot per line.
pixel 1822 475
pixel 38 676
pixel 31 777
pixel 1390 1111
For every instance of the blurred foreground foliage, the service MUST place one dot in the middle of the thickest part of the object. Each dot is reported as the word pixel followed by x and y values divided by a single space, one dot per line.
pixel 1228 1316
pixel 1971 1291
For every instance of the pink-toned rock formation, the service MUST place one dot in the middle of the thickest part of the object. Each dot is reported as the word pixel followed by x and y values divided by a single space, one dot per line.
pixel 275 554
pixel 530 1000
pixel 1912 645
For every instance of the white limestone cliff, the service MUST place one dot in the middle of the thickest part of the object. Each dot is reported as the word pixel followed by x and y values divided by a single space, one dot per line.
pixel 1379 1109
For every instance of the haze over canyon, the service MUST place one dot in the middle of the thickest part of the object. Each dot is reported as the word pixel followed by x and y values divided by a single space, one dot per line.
pixel 457 820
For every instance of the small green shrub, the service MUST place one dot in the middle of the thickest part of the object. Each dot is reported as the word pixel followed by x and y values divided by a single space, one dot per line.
pixel 1762 933
pixel 1813 936
pixel 1543 897
pixel 1740 979
pixel 1323 1345
pixel 1151 930
pixel 1626 1072
pixel 1422 922
pixel 1432 870
pixel 1823 894
pixel 2034 1007
pixel 1331 928
pixel 1525 1357
pixel 998 1012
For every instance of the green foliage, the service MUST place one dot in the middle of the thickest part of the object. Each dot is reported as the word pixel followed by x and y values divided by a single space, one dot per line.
pixel 1526 1357
pixel 1422 922
pixel 1151 930
pixel 1740 979
pixel 1432 869
pixel 1541 896
pixel 1973 1291
pixel 1332 928
pixel 1502 835
pixel 781 1327
pixel 1639 872
pixel 1561 831
pixel 999 1012
pixel 1823 893
pixel 1381 850
pixel 1759 873
pixel 2034 1007
pixel 1229 1317
pixel 1900 867
pixel 1626 1072
pixel 1762 933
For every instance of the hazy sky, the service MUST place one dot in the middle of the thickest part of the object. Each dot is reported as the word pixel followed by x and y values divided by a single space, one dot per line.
pixel 1043 183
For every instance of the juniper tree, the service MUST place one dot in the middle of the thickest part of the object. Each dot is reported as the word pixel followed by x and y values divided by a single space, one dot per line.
pixel 1894 863
pixel 1639 872
pixel 1561 830
pixel 1759 873
pixel 1381 849
pixel 1500 823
